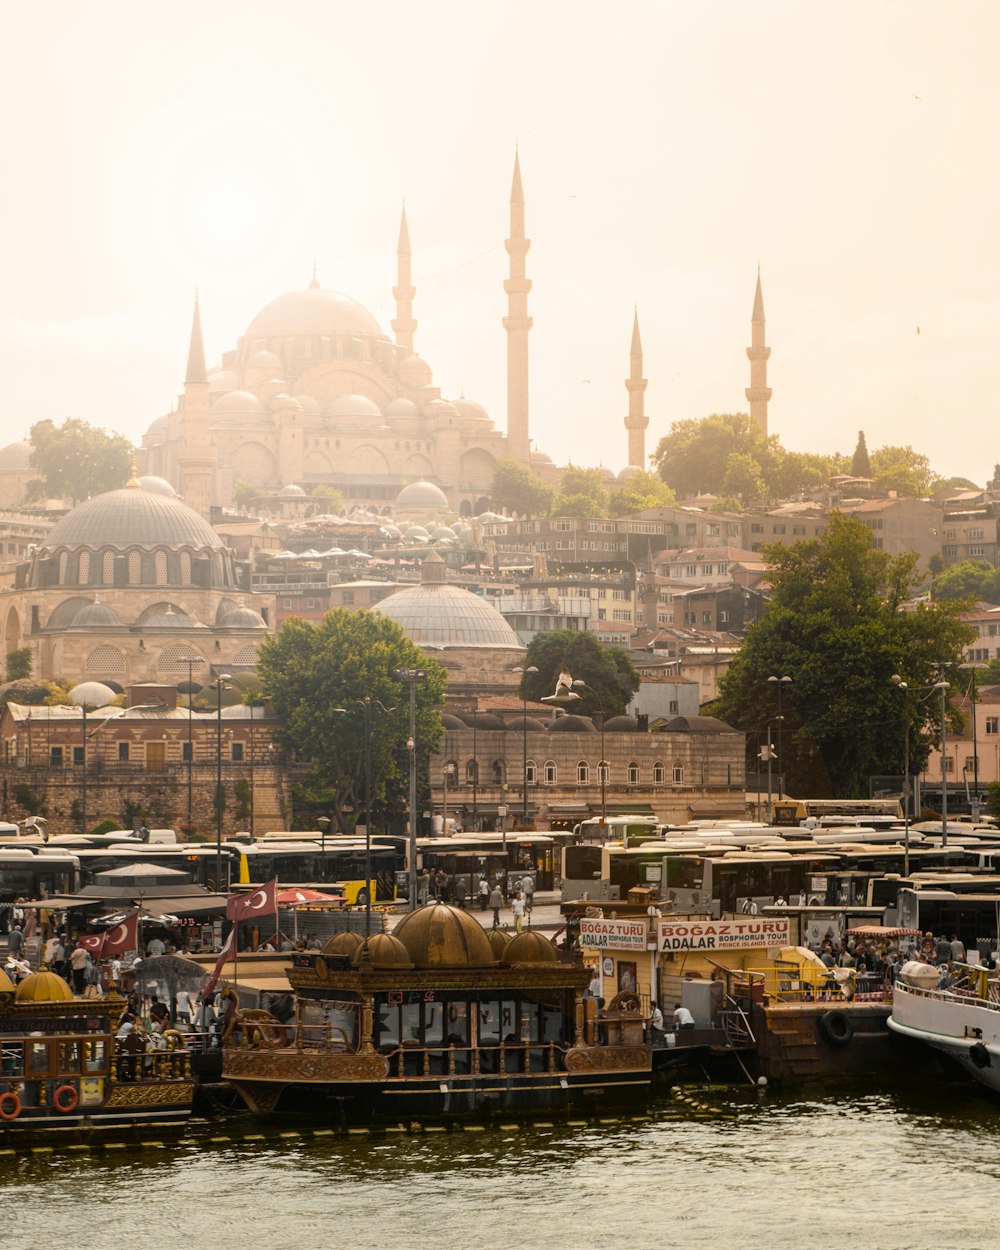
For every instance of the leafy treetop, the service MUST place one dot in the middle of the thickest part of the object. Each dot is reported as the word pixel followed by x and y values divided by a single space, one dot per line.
pixel 610 676
pixel 78 460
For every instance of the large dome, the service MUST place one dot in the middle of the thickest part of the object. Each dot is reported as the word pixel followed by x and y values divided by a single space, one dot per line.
pixel 131 517
pixel 313 312
pixel 422 495
pixel 438 615
pixel 439 936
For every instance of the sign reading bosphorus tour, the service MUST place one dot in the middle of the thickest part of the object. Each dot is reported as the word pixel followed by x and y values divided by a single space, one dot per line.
pixel 621 935
pixel 723 935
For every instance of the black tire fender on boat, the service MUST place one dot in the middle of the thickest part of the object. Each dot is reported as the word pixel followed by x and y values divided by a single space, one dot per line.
pixel 980 1056
pixel 836 1027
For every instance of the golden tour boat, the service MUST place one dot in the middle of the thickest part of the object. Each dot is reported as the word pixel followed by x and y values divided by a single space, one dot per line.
pixel 438 1018
pixel 63 1066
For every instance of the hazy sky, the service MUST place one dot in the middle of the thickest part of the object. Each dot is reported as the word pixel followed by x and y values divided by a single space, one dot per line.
pixel 666 148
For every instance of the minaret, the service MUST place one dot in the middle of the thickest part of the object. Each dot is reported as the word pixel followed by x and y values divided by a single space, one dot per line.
pixel 758 392
pixel 517 323
pixel 635 384
pixel 197 460
pixel 404 291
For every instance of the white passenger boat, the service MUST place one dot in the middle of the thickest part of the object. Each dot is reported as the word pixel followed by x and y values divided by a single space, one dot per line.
pixel 962 1021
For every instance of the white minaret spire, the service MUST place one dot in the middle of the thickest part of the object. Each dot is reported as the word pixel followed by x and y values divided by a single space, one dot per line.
pixel 517 323
pixel 403 325
pixel 636 421
pixel 758 392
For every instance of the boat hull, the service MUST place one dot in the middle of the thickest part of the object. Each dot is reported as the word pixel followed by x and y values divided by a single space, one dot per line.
pixel 964 1028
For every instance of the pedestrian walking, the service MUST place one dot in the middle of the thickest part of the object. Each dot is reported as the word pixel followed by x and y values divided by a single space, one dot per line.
pixel 484 892
pixel 518 908
pixel 496 902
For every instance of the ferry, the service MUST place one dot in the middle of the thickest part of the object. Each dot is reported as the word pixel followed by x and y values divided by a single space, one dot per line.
pixel 62 1066
pixel 961 1021
pixel 437 1019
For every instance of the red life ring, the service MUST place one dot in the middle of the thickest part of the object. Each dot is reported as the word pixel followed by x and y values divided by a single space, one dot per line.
pixel 10 1105
pixel 65 1099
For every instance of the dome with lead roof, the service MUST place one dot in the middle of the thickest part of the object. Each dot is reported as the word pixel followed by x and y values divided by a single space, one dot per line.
pixel 422 496
pixel 131 517
pixel 436 614
pixel 15 456
pixel 237 404
pixel 439 936
pixel 313 312
pixel 157 485
pixel 97 615
pixel 354 406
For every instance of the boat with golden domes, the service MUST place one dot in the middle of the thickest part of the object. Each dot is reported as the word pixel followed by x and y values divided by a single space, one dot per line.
pixel 63 1067
pixel 437 1018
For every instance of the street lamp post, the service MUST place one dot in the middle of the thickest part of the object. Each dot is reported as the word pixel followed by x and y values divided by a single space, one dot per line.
pixel 190 664
pixel 367 705
pixel 411 676
pixel 532 668
pixel 778 683
pixel 324 825
pixel 220 685
pixel 898 681
pixel 770 754
pixel 83 787
pixel 475 771
pixel 944 687
pixel 602 767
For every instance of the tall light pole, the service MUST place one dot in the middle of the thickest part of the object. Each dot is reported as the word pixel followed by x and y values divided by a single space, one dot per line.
pixel 411 676
pixel 532 668
pixel 770 754
pixel 944 687
pixel 602 767
pixel 220 685
pixel 190 664
pixel 898 681
pixel 367 706
pixel 778 682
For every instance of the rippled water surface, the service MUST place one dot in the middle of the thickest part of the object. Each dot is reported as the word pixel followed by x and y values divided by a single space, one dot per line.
pixel 865 1171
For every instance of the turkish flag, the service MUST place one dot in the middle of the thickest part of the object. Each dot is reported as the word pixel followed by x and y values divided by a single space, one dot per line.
pixel 93 942
pixel 227 953
pixel 262 902
pixel 123 937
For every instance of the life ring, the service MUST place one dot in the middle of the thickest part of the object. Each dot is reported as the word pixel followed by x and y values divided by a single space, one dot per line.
pixel 980 1056
pixel 65 1099
pixel 836 1027
pixel 322 969
pixel 10 1105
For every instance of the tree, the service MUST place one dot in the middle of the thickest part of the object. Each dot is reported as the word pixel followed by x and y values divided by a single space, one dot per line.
pixel 611 677
pixel 861 465
pixel 993 798
pixel 582 493
pixel 308 671
pixel 743 478
pixel 972 579
pixel 902 470
pixel 580 505
pixel 78 460
pixel 840 624
pixel 517 489
pixel 331 499
pixel 639 491
pixel 19 664
pixel 994 483
pixel 244 493
pixel 794 472
pixel 692 457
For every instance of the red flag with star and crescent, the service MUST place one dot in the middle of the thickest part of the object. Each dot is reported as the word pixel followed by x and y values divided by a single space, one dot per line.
pixel 226 955
pixel 93 942
pixel 260 902
pixel 122 937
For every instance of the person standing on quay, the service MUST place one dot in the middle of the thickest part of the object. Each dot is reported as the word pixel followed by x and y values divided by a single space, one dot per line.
pixel 518 907
pixel 496 902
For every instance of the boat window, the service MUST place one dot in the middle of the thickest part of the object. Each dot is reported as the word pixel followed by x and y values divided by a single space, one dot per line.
pixel 529 1021
pixel 497 1022
pixel 38 1058
pixel 342 1017
pixel 12 1063
pixel 410 1022
pixel 552 1025
pixel 458 1023
pixel 95 1056
pixel 69 1056
pixel 388 1025
pixel 433 1024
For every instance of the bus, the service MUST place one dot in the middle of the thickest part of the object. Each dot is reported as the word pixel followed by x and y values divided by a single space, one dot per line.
pixel 940 910
pixel 204 864
pixel 794 811
pixel 27 873
pixel 340 862
pixel 512 856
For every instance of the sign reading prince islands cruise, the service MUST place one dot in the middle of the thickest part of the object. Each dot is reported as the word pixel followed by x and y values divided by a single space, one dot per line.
pixel 724 935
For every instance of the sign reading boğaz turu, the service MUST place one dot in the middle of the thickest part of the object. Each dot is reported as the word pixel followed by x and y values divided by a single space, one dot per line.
pixel 724 935
pixel 623 935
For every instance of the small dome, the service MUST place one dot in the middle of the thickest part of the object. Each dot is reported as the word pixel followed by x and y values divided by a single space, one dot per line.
pixel 414 372
pixel 265 360
pixel 439 408
pixel 499 940
pixel 313 312
pixel 439 936
pixel 157 429
pixel 131 517
pixel 343 944
pixel 572 725
pixel 415 531
pixel 402 408
pixel 452 722
pixel 309 406
pixel 16 455
pixel 6 984
pixel 529 722
pixel 697 725
pixel 422 495
pixel 97 615
pixel 284 403
pixel 243 618
pixel 92 693
pixel 484 720
pixel 157 485
pixel 222 380
pixel 353 406
pixel 443 534
pixel 621 724
pixel 540 457
pixel 529 947
pixel 437 614
pixel 469 410
pixel 606 473
pixel 168 619
pixel 237 403
pixel 630 470
pixel 43 987
pixel 384 951
pixel 291 491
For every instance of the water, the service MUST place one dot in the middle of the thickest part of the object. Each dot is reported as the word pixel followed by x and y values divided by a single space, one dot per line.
pixel 868 1171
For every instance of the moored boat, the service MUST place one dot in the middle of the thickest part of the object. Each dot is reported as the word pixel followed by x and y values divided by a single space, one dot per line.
pixel 961 1020
pixel 63 1067
pixel 438 1018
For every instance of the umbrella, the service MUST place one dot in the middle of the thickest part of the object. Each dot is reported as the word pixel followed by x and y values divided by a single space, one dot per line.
pixel 295 897
pixel 146 917
pixel 148 873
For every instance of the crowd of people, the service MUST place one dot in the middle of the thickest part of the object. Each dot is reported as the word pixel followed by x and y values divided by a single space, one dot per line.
pixel 493 894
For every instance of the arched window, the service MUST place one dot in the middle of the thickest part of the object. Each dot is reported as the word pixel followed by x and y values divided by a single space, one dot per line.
pixel 84 574
pixel 450 772
pixel 549 773
pixel 678 774
pixel 160 567
pixel 173 662
pixel 582 773
pixel 105 661
pixel 498 772
pixel 633 774
pixel 108 573
pixel 658 773
pixel 530 772
pixel 245 655
pixel 471 772
pixel 63 561
pixel 603 773
pixel 134 568
pixel 185 568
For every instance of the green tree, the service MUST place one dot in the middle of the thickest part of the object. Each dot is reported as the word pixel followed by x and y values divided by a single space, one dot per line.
pixel 743 478
pixel 861 465
pixel 994 483
pixel 794 472
pixel 610 676
pixel 639 491
pixel 582 493
pixel 902 470
pixel 840 624
pixel 78 460
pixel 517 489
pixel 307 671
pixel 331 499
pixel 972 579
pixel 19 664
pixel 244 493
pixel 581 506
pixel 692 457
